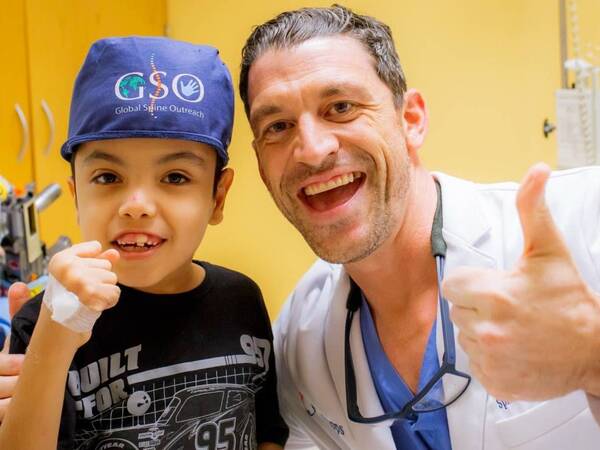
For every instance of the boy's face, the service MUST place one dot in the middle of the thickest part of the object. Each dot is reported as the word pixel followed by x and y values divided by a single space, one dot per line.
pixel 151 199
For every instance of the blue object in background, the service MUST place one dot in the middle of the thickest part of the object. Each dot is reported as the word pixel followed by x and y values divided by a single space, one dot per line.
pixel 4 320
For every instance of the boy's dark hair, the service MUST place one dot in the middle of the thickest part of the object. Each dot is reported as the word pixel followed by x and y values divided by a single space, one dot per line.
pixel 294 27
pixel 218 170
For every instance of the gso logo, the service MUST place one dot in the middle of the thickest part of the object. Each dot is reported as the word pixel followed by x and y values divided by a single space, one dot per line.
pixel 185 86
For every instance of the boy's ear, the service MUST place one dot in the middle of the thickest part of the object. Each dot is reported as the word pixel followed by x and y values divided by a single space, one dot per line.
pixel 73 190
pixel 71 183
pixel 220 195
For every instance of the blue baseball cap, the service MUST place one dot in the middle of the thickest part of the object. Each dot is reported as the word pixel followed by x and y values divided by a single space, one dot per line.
pixel 151 87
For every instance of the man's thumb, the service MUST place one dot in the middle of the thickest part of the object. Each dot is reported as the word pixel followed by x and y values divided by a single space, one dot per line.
pixel 18 294
pixel 539 232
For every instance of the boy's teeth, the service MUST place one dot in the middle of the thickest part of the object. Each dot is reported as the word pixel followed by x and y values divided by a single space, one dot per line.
pixel 138 240
pixel 336 182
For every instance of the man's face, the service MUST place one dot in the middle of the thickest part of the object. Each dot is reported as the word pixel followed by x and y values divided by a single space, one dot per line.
pixel 151 199
pixel 330 145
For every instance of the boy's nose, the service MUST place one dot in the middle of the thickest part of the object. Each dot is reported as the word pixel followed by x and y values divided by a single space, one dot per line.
pixel 137 205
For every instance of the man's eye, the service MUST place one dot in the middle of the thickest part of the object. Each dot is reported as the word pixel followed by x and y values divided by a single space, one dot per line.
pixel 340 107
pixel 175 178
pixel 105 178
pixel 278 127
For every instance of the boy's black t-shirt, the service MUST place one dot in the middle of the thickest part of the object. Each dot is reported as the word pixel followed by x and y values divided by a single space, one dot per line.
pixel 190 370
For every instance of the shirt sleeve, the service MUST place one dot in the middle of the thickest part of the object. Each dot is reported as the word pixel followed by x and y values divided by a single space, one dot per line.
pixel 594 403
pixel 291 408
pixel 22 326
pixel 270 426
pixel 591 226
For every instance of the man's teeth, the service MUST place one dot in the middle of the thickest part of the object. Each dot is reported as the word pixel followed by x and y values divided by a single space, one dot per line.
pixel 336 182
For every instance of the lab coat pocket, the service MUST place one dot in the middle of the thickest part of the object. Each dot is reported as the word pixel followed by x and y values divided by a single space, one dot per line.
pixel 560 424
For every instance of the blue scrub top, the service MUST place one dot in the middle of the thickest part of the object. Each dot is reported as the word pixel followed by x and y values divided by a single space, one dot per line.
pixel 430 430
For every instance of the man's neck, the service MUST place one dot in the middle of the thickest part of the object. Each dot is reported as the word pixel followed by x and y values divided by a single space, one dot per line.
pixel 402 268
pixel 400 283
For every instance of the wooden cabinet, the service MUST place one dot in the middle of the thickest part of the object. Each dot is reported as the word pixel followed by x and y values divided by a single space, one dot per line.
pixel 15 118
pixel 46 42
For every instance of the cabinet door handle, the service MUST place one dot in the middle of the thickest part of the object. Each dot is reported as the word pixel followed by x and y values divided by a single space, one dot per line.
pixel 51 124
pixel 24 130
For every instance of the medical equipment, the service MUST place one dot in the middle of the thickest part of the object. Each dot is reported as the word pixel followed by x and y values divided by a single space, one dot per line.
pixel 23 255
pixel 448 384
pixel 578 109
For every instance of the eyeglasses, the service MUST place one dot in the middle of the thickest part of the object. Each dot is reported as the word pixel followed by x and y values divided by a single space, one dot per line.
pixel 447 384
pixel 444 387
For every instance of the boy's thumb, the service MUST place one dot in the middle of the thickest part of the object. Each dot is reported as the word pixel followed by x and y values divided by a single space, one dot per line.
pixel 111 254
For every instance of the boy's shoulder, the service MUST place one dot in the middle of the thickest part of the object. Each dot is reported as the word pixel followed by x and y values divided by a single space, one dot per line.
pixel 222 278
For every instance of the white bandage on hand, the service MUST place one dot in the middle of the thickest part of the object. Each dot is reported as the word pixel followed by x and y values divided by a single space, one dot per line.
pixel 67 309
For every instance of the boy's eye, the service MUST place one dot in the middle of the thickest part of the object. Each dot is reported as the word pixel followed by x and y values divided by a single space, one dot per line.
pixel 175 178
pixel 105 178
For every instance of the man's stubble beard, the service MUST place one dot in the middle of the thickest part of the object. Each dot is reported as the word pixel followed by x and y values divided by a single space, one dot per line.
pixel 325 241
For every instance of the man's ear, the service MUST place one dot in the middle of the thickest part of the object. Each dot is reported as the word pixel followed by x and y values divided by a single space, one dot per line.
pixel 220 195
pixel 415 119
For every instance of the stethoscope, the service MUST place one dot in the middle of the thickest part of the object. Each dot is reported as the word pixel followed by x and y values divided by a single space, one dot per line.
pixel 420 403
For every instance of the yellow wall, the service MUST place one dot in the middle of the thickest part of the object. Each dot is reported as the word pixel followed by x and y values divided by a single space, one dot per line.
pixel 487 69
pixel 59 34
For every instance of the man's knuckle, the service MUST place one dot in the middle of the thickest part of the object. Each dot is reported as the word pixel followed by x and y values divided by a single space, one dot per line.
pixel 490 339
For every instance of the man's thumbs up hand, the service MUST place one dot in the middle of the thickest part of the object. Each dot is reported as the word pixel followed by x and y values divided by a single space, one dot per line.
pixel 532 332
pixel 540 235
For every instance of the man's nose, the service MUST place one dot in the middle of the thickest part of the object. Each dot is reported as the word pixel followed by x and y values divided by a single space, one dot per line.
pixel 316 141
pixel 138 204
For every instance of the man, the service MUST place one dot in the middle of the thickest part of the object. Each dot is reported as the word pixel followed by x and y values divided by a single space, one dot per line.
pixel 10 365
pixel 337 138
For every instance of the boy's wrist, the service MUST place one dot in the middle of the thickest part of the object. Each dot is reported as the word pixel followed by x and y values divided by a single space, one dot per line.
pixel 56 338
pixel 66 308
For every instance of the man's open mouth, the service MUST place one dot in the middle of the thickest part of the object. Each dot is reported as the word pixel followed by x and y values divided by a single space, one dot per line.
pixel 332 193
pixel 137 242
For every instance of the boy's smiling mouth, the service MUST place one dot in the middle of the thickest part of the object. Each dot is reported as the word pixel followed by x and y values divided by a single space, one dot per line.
pixel 137 242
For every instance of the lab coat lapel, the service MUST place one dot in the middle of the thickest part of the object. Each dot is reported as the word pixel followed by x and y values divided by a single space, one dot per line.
pixel 363 436
pixel 467 234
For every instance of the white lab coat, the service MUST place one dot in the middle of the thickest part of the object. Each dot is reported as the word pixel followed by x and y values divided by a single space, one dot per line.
pixel 482 229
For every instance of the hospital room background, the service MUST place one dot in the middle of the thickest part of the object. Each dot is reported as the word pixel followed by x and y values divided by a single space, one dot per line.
pixel 492 73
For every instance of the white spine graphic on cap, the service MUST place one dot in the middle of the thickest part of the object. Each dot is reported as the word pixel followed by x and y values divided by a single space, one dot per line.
pixel 67 309
pixel 160 86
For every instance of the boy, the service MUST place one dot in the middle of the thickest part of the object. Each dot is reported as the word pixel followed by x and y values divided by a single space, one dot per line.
pixel 180 353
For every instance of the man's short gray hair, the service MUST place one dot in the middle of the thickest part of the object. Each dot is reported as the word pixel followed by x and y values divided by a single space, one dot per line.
pixel 294 27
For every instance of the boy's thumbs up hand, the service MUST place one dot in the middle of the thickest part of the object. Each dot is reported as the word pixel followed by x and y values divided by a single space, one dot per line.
pixel 533 332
